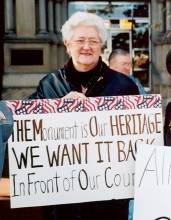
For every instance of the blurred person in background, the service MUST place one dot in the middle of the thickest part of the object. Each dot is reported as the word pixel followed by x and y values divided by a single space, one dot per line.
pixel 167 123
pixel 121 61
pixel 6 128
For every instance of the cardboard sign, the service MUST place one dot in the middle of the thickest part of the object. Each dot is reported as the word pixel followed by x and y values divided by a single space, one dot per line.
pixel 152 183
pixel 71 151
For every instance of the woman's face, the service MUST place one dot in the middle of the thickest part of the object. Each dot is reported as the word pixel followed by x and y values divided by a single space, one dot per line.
pixel 84 47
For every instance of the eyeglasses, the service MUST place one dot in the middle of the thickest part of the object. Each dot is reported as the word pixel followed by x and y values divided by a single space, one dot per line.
pixel 126 64
pixel 91 43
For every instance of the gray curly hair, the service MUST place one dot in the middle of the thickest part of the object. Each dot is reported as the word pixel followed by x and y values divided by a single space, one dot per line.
pixel 87 19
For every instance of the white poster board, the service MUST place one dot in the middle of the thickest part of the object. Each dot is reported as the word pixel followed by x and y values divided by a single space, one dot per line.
pixel 152 183
pixel 58 158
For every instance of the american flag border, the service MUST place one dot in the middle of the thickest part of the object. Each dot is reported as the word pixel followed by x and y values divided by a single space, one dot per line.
pixel 43 106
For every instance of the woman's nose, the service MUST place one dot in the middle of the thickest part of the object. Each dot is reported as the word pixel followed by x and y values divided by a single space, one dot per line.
pixel 86 45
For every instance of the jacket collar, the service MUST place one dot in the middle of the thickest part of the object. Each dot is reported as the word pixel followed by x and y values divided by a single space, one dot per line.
pixel 84 80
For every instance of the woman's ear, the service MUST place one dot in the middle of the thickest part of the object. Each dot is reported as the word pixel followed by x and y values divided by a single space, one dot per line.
pixel 66 43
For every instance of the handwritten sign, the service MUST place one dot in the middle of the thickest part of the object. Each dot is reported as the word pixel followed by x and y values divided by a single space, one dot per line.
pixel 88 155
pixel 152 183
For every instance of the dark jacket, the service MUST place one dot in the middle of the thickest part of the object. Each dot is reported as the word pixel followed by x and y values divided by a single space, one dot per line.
pixel 167 125
pixel 101 81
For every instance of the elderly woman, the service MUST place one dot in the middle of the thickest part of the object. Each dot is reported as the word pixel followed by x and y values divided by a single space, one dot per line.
pixel 85 75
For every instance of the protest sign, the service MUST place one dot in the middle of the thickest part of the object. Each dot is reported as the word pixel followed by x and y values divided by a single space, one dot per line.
pixel 152 183
pixel 70 151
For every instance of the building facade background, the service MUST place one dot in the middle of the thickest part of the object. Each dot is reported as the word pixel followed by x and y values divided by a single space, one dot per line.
pixel 31 46
pixel 32 43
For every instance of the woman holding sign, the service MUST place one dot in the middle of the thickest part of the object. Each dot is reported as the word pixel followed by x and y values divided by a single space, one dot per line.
pixel 86 75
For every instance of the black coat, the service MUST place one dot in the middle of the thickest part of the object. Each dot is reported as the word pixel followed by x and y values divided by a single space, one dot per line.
pixel 101 81
pixel 167 125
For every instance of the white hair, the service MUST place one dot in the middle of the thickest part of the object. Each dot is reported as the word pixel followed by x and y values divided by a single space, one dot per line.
pixel 87 19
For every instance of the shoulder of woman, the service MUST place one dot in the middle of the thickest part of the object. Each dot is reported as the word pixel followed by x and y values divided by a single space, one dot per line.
pixel 119 76
pixel 58 73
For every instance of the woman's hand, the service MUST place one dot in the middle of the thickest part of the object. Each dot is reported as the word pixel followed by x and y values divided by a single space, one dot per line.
pixel 74 95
